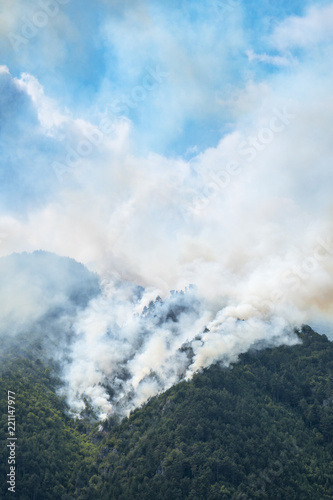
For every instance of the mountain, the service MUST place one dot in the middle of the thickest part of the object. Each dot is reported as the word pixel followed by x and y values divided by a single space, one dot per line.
pixel 40 295
pixel 37 282
pixel 260 429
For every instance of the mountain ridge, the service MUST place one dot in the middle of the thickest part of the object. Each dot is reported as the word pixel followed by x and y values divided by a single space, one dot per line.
pixel 260 429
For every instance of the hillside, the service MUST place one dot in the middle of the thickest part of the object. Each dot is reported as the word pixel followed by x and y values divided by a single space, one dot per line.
pixel 262 429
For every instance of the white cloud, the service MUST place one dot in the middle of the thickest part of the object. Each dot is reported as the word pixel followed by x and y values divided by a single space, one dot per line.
pixel 47 111
pixel 166 222
pixel 269 59
pixel 304 32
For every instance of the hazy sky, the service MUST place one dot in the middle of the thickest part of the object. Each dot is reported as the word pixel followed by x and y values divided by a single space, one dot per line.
pixel 151 135
pixel 168 143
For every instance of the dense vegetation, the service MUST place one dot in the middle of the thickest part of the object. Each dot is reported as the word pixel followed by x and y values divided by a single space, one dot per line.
pixel 52 456
pixel 263 429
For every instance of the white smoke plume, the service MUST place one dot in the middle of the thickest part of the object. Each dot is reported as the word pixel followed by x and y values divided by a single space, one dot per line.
pixel 126 352
pixel 247 222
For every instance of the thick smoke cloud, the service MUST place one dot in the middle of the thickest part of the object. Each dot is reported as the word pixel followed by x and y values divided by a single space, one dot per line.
pixel 247 222
pixel 127 352
pixel 117 346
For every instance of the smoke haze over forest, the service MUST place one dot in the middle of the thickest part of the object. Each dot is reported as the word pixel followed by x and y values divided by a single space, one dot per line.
pixel 189 177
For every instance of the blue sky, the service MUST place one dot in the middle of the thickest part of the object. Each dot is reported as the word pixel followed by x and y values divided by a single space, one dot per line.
pixel 87 57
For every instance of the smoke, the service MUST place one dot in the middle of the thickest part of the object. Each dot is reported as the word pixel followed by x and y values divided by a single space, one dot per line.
pixel 246 222
pixel 120 344
pixel 241 222
pixel 127 352
pixel 249 223
pixel 41 295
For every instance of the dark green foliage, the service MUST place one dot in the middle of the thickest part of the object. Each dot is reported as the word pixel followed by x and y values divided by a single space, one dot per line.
pixel 51 453
pixel 263 429
pixel 260 430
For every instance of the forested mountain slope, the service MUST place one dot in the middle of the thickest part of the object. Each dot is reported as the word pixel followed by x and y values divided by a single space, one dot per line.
pixel 261 429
